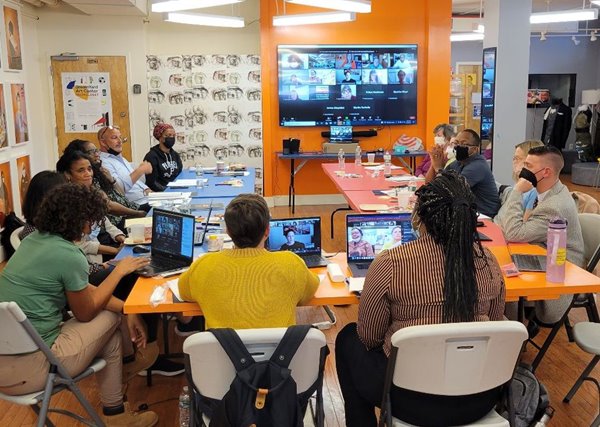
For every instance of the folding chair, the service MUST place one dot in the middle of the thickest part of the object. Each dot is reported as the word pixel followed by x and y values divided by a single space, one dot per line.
pixel 18 337
pixel 453 359
pixel 210 371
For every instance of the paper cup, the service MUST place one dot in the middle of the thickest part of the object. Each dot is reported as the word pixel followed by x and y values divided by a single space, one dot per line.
pixel 137 233
pixel 371 157
pixel 404 200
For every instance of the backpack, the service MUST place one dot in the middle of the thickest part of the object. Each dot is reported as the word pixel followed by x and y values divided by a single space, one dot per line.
pixel 529 397
pixel 263 394
pixel 11 223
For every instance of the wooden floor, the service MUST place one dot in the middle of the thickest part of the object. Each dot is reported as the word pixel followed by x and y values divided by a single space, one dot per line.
pixel 558 371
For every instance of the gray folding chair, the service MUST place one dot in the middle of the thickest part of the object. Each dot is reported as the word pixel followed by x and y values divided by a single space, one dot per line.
pixel 18 337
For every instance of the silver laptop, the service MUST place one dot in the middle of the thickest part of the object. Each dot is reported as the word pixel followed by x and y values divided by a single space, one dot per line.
pixel 527 262
pixel 299 235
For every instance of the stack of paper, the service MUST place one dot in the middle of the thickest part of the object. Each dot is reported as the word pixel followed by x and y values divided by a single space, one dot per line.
pixel 170 195
pixel 186 183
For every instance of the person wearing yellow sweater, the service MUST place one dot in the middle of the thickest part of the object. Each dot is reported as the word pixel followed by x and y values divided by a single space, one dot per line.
pixel 248 286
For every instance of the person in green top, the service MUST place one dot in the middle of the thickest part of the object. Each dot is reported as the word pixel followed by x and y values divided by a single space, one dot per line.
pixel 47 272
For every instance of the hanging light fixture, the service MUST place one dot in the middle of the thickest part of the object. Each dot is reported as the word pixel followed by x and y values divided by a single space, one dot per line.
pixel 563 16
pixel 313 18
pixel 161 6
pixel 359 6
pixel 203 19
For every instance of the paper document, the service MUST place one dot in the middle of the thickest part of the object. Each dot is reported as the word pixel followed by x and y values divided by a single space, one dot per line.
pixel 402 178
pixel 186 182
pixel 381 167
pixel 173 284
pixel 171 195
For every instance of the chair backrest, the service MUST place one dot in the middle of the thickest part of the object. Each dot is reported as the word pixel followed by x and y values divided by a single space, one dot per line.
pixel 590 228
pixel 456 359
pixel 14 336
pixel 213 372
pixel 15 241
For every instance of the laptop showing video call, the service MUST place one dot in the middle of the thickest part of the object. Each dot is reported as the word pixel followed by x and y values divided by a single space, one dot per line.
pixel 172 242
pixel 299 235
pixel 368 235
pixel 340 133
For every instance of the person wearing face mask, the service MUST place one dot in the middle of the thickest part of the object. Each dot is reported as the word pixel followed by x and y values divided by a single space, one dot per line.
pixel 165 161
pixel 442 134
pixel 541 170
pixel 473 166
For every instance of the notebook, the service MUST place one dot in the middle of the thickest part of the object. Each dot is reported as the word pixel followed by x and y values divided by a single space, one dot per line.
pixel 299 235
pixel 172 242
pixel 340 134
pixel 368 235
pixel 525 262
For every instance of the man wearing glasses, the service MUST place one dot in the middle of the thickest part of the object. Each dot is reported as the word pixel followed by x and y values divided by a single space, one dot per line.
pixel 473 166
pixel 128 179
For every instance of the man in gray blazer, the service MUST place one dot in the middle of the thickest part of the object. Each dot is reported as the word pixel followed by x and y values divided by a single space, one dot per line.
pixel 542 170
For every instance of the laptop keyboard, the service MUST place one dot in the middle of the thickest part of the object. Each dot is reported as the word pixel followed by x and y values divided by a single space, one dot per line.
pixel 363 266
pixel 164 264
pixel 314 260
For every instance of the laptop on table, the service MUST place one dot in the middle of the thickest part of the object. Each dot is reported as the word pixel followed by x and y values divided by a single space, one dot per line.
pixel 340 134
pixel 172 242
pixel 368 235
pixel 527 262
pixel 299 235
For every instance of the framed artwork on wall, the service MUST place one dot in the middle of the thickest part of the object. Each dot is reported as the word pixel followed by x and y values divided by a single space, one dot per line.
pixel 23 176
pixel 6 197
pixel 17 92
pixel 13 39
pixel 3 128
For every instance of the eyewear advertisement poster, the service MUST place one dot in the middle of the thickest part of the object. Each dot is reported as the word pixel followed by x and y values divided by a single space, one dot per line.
pixel 214 104
pixel 87 101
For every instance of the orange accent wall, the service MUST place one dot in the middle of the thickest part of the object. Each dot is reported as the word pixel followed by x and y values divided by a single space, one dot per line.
pixel 424 22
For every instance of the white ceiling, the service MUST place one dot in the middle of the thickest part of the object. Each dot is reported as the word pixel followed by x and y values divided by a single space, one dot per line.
pixel 460 7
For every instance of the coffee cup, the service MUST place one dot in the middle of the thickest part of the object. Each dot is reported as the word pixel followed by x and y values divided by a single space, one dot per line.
pixel 137 233
pixel 214 243
pixel 403 200
pixel 371 157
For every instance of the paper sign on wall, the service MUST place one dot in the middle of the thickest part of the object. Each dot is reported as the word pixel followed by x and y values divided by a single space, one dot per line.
pixel 87 102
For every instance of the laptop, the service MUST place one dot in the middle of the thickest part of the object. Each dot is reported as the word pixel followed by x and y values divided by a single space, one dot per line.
pixel 340 134
pixel 172 242
pixel 299 235
pixel 368 235
pixel 526 262
pixel 200 234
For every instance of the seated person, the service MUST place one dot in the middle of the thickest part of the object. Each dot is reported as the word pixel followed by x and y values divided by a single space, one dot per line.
pixel 357 246
pixel 473 166
pixel 248 286
pixel 40 185
pixel 47 272
pixel 291 244
pixel 396 239
pixel 165 161
pixel 411 285
pixel 442 134
pixel 541 170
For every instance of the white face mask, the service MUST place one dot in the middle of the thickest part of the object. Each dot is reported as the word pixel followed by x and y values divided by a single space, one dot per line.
pixel 450 154
pixel 439 140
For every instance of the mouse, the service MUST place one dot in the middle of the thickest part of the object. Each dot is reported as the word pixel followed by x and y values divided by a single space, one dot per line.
pixel 140 249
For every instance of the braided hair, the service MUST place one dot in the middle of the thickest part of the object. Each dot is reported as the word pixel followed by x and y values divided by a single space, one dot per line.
pixel 446 206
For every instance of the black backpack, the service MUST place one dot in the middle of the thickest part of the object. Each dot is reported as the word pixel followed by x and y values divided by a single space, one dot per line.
pixel 11 223
pixel 529 397
pixel 263 394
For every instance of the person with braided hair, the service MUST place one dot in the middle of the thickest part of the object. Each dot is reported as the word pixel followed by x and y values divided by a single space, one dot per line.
pixel 443 276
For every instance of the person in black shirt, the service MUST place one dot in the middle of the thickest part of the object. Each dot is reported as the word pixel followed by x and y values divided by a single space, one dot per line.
pixel 291 244
pixel 165 161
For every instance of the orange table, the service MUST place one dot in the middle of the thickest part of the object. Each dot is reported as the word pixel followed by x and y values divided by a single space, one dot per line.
pixel 364 182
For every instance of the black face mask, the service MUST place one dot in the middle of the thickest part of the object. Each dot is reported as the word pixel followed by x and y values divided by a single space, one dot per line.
pixel 529 176
pixel 462 152
pixel 169 142
pixel 113 152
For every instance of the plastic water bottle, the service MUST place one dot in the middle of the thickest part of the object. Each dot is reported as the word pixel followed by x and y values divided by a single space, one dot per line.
pixel 357 156
pixel 412 185
pixel 387 164
pixel 199 175
pixel 184 407
pixel 341 162
pixel 557 250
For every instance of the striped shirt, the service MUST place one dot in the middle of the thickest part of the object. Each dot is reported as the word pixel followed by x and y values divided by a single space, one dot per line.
pixel 405 287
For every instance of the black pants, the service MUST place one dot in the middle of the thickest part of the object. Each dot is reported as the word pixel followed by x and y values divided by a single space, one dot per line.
pixel 361 374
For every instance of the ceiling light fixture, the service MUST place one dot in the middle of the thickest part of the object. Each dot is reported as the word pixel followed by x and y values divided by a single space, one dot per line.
pixel 463 37
pixel 203 19
pixel 575 41
pixel 596 2
pixel 593 36
pixel 178 5
pixel 313 18
pixel 359 6
pixel 543 36
pixel 563 16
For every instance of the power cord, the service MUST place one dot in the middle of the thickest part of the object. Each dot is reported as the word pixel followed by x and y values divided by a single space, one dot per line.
pixel 146 406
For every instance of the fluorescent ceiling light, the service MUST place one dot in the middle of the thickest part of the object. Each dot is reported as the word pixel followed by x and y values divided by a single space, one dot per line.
pixel 359 6
pixel 463 37
pixel 596 2
pixel 313 18
pixel 564 16
pixel 177 5
pixel 202 19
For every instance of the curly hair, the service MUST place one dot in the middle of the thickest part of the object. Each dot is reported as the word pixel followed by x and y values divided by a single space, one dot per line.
pixel 99 177
pixel 68 208
pixel 446 206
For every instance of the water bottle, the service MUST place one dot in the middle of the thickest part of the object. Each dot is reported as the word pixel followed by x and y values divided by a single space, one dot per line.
pixel 341 162
pixel 387 164
pixel 184 407
pixel 557 250
pixel 199 175
pixel 412 185
pixel 357 154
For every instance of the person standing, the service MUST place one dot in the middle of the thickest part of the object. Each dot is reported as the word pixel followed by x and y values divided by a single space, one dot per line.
pixel 166 162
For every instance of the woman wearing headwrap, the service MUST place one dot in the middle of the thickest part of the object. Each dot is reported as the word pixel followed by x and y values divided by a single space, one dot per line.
pixel 166 163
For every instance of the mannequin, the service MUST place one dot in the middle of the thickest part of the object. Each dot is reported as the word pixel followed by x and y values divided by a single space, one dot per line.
pixel 557 124
pixel 583 138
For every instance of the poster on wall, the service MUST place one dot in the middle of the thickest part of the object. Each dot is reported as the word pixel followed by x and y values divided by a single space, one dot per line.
pixel 23 175
pixel 214 104
pixel 6 198
pixel 13 38
pixel 3 128
pixel 17 92
pixel 86 101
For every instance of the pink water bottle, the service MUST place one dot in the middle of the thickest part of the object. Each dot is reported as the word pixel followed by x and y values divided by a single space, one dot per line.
pixel 556 257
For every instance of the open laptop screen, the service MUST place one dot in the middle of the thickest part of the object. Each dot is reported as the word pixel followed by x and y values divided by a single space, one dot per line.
pixel 367 235
pixel 340 133
pixel 299 235
pixel 172 234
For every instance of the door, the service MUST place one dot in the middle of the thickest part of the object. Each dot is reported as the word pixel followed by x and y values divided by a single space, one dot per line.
pixel 96 93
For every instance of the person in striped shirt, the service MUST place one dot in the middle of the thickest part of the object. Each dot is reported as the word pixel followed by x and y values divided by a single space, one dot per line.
pixel 444 276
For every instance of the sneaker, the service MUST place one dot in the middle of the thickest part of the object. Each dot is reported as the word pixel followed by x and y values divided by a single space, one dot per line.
pixel 130 419
pixel 143 359
pixel 194 326
pixel 165 367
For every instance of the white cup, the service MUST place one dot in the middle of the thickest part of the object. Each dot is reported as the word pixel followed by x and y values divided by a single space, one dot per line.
pixel 220 166
pixel 371 157
pixel 214 243
pixel 403 200
pixel 136 233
